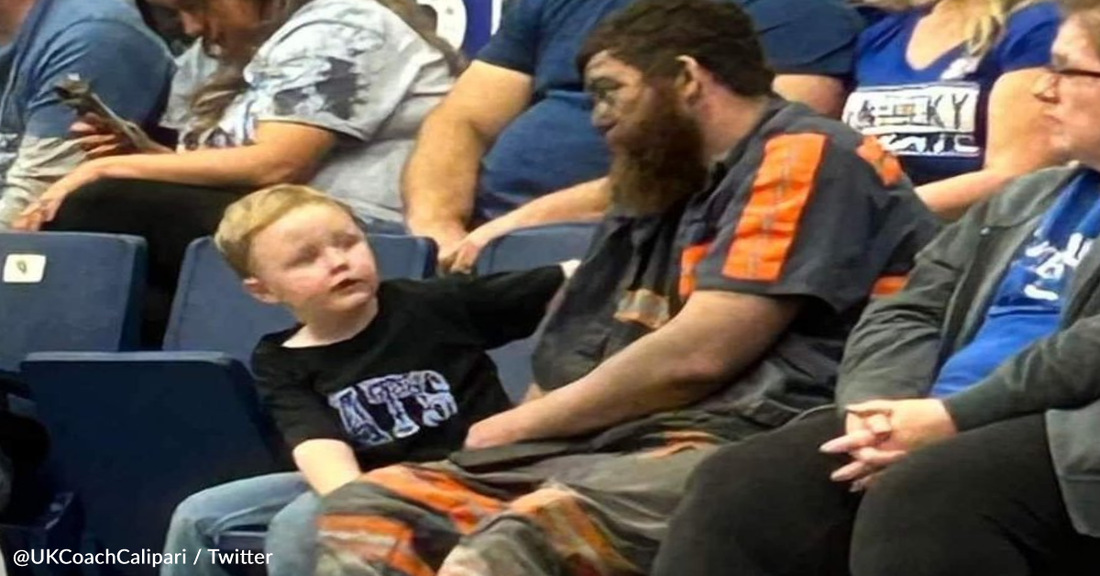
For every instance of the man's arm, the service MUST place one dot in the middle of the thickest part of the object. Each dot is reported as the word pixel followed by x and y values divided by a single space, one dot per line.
pixel 584 202
pixel 40 162
pixel 128 70
pixel 590 200
pixel 824 94
pixel 713 339
pixel 440 178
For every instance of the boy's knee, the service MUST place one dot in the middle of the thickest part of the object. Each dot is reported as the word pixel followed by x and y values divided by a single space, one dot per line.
pixel 298 519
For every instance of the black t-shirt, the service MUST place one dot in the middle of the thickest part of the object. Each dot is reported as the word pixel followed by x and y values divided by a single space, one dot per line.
pixel 410 384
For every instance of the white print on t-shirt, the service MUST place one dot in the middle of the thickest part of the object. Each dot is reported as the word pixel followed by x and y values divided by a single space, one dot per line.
pixel 1051 264
pixel 407 398
pixel 920 119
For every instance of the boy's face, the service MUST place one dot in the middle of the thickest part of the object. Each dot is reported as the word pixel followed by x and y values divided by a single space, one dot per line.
pixel 316 261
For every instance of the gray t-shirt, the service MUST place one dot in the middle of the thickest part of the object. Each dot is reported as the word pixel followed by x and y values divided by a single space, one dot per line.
pixel 349 66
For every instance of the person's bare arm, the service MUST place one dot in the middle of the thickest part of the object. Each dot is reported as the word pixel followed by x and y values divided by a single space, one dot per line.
pixel 590 200
pixel 824 94
pixel 440 178
pixel 283 152
pixel 584 202
pixel 326 464
pixel 714 338
pixel 1018 141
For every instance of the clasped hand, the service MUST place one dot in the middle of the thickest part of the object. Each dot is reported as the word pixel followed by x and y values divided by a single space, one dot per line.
pixel 882 432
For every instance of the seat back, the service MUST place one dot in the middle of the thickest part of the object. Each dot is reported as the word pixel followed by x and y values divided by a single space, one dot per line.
pixel 213 312
pixel 69 291
pixel 521 250
pixel 135 433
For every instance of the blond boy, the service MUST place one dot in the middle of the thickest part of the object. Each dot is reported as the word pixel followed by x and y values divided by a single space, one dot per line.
pixel 374 373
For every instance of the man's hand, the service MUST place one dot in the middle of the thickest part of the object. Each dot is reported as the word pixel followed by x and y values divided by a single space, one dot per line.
pixel 463 256
pixel 498 430
pixel 447 236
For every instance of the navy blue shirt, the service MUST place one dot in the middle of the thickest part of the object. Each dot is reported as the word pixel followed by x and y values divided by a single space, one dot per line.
pixel 1028 303
pixel 935 118
pixel 553 145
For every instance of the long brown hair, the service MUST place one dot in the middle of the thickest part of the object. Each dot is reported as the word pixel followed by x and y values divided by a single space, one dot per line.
pixel 210 102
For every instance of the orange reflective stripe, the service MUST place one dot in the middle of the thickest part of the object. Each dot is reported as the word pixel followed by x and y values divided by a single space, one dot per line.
pixel 885 164
pixel 374 538
pixel 689 260
pixel 888 285
pixel 780 193
pixel 572 532
pixel 439 492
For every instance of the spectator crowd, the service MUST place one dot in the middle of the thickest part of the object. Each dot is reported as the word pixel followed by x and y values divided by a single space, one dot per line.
pixel 839 314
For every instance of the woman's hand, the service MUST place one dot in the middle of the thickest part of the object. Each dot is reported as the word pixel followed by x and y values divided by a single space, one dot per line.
pixel 45 208
pixel 99 139
pixel 880 433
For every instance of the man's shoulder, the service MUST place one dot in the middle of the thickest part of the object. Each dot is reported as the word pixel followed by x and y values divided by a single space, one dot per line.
pixel 91 17
pixel 89 25
pixel 797 118
pixel 797 131
pixel 816 13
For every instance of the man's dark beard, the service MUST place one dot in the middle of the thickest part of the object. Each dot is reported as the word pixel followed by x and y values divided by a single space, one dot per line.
pixel 661 162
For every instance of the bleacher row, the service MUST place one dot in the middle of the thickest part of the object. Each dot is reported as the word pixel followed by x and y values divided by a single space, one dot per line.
pixel 134 432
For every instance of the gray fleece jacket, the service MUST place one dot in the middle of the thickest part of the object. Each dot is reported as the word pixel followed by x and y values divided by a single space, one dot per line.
pixel 902 342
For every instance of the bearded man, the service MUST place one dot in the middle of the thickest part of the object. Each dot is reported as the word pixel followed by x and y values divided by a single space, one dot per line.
pixel 746 237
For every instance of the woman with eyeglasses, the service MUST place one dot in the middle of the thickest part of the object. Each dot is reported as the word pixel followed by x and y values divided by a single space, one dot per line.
pixel 945 86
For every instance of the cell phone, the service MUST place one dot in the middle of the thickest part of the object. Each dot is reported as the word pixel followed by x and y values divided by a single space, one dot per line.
pixel 78 95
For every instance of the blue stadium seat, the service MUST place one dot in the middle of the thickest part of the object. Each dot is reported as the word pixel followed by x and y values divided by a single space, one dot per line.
pixel 135 433
pixel 213 312
pixel 87 298
pixel 522 250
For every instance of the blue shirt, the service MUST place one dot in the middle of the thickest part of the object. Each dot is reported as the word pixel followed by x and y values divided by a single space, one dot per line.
pixel 553 145
pixel 935 118
pixel 105 42
pixel 1028 304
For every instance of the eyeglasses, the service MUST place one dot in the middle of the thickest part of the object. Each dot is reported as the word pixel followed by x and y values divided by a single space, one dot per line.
pixel 1071 72
pixel 1055 74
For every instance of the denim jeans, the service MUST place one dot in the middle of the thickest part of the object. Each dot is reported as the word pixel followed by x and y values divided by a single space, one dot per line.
pixel 283 502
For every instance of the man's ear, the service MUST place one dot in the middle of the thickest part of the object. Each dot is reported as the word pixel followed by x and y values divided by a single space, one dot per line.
pixel 689 81
pixel 260 291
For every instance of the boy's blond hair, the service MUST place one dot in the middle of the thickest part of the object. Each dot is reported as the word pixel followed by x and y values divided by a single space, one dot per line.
pixel 250 215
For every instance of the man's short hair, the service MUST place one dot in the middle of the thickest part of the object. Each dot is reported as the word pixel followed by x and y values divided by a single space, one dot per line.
pixel 651 34
pixel 250 215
